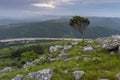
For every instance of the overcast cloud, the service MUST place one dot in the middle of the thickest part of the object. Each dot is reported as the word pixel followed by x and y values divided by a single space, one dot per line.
pixel 60 7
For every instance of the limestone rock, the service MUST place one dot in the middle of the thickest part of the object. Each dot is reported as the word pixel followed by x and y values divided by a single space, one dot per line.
pixel 63 55
pixel 30 76
pixel 67 47
pixel 86 59
pixel 116 36
pixel 27 65
pixel 118 76
pixel 53 49
pixel 111 44
pixel 6 69
pixel 44 74
pixel 88 49
pixel 32 63
pixel 78 74
pixel 18 77
pixel 74 43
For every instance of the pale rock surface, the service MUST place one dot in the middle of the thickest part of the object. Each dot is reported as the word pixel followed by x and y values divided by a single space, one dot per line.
pixel 53 49
pixel 18 77
pixel 88 49
pixel 67 47
pixel 78 74
pixel 118 76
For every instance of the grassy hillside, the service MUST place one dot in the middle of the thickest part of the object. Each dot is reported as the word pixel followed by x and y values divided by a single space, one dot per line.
pixel 99 64
pixel 99 27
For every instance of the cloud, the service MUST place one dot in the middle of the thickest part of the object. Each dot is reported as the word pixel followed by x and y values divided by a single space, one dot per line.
pixel 52 3
pixel 56 3
pixel 49 4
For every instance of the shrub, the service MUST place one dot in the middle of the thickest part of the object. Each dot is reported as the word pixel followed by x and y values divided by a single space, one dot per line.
pixel 36 48
pixel 31 55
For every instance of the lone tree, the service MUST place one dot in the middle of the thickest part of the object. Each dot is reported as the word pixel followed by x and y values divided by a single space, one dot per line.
pixel 79 23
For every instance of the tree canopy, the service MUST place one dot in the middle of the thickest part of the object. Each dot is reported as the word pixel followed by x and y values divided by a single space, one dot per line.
pixel 79 23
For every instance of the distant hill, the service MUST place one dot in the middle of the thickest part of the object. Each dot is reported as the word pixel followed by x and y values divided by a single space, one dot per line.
pixel 99 27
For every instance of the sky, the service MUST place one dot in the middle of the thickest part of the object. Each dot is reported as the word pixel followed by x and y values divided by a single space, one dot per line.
pixel 27 8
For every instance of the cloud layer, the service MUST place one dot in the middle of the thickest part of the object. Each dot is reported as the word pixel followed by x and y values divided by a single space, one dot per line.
pixel 52 3
pixel 60 7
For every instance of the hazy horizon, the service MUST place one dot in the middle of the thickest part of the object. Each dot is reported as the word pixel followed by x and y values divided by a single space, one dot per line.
pixel 33 8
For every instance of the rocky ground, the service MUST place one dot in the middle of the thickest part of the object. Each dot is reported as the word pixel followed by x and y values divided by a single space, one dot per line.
pixel 74 60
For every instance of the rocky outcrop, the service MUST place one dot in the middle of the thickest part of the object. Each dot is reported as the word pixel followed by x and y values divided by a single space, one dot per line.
pixel 63 56
pixel 78 74
pixel 118 76
pixel 44 74
pixel 18 77
pixel 6 69
pixel 111 44
pixel 88 49
pixel 32 63
pixel 67 47
pixel 53 49
pixel 74 43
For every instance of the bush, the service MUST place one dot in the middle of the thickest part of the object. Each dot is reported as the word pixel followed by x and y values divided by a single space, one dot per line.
pixel 36 48
pixel 31 55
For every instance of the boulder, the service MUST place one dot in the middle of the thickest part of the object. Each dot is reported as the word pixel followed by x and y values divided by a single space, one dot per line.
pixel 63 55
pixel 99 40
pixel 74 43
pixel 86 59
pixel 44 74
pixel 118 76
pixel 18 77
pixel 111 44
pixel 27 65
pixel 116 36
pixel 53 49
pixel 67 47
pixel 53 60
pixel 6 69
pixel 88 49
pixel 29 76
pixel 78 74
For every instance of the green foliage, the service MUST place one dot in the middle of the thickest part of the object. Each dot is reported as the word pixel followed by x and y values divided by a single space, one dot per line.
pixel 36 48
pixel 78 20
pixel 79 23
pixel 30 55
pixel 99 27
pixel 107 67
